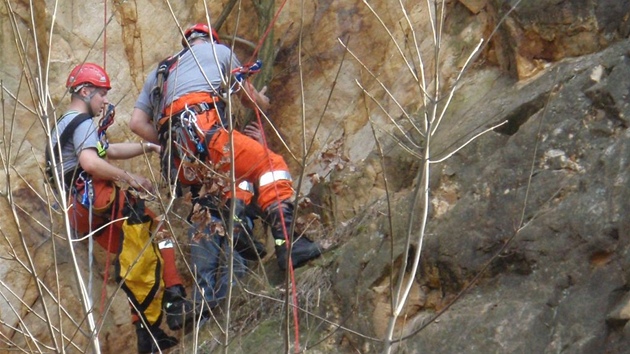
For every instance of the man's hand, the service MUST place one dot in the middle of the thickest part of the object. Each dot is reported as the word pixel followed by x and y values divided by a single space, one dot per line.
pixel 157 149
pixel 258 96
pixel 253 131
pixel 139 183
pixel 262 99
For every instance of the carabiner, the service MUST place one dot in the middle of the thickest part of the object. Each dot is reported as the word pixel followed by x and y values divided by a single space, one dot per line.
pixel 188 117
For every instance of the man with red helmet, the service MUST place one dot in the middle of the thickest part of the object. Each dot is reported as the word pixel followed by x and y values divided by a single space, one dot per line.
pixel 199 30
pixel 97 203
pixel 193 92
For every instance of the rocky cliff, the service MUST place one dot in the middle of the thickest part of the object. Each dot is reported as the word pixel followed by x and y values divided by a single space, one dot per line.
pixel 525 248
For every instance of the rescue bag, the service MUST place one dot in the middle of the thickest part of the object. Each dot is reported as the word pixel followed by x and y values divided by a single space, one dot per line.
pixel 99 197
pixel 139 265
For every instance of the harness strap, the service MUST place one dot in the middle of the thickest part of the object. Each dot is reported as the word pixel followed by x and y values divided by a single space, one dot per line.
pixel 162 72
pixel 84 190
pixel 53 158
pixel 180 107
pixel 185 130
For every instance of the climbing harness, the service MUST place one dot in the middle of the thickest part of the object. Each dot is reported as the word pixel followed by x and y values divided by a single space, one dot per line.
pixel 82 187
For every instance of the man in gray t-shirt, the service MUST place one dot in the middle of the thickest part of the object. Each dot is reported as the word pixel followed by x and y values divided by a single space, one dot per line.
pixel 89 85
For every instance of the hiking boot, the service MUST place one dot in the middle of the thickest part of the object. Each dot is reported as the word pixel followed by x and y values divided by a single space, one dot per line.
pixel 279 216
pixel 244 242
pixel 248 247
pixel 179 311
pixel 303 251
pixel 152 339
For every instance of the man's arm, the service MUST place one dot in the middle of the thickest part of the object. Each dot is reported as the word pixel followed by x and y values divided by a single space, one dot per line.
pixel 123 151
pixel 100 168
pixel 142 125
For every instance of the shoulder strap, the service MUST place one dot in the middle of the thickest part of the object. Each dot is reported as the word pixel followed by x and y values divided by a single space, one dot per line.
pixel 69 130
pixel 163 69
pixel 63 139
pixel 65 136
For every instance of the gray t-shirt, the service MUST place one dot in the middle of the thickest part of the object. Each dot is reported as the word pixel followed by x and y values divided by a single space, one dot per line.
pixel 84 136
pixel 215 61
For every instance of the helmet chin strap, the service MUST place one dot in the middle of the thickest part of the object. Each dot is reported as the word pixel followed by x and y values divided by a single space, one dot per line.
pixel 87 99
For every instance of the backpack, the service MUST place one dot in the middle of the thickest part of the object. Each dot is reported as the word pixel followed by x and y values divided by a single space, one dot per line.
pixel 53 159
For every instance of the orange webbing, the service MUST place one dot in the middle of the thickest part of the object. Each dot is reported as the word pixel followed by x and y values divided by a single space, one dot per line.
pixel 189 99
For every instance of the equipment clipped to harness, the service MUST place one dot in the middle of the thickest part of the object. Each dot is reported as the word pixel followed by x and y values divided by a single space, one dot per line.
pixel 188 120
pixel 186 154
pixel 87 195
pixel 105 122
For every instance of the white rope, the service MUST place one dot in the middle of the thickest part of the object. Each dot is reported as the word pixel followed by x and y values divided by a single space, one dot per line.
pixel 90 191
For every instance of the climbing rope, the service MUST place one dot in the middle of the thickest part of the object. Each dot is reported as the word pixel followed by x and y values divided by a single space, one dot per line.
pixel 282 219
pixel 267 30
pixel 105 35
pixel 102 150
pixel 242 74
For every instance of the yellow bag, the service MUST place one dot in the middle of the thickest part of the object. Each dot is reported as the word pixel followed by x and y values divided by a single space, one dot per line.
pixel 139 265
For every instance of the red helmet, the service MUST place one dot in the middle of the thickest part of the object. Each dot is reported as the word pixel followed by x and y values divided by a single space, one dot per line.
pixel 87 74
pixel 199 30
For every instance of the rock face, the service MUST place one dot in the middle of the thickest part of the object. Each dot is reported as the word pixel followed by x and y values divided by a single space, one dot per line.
pixel 539 217
pixel 527 227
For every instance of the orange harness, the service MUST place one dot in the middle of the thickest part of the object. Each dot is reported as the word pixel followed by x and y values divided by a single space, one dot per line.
pixel 197 102
pixel 185 130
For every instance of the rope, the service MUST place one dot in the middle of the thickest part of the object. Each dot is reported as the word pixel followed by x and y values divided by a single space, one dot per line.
pixel 284 229
pixel 264 36
pixel 105 35
pixel 111 227
pixel 88 189
pixel 287 240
